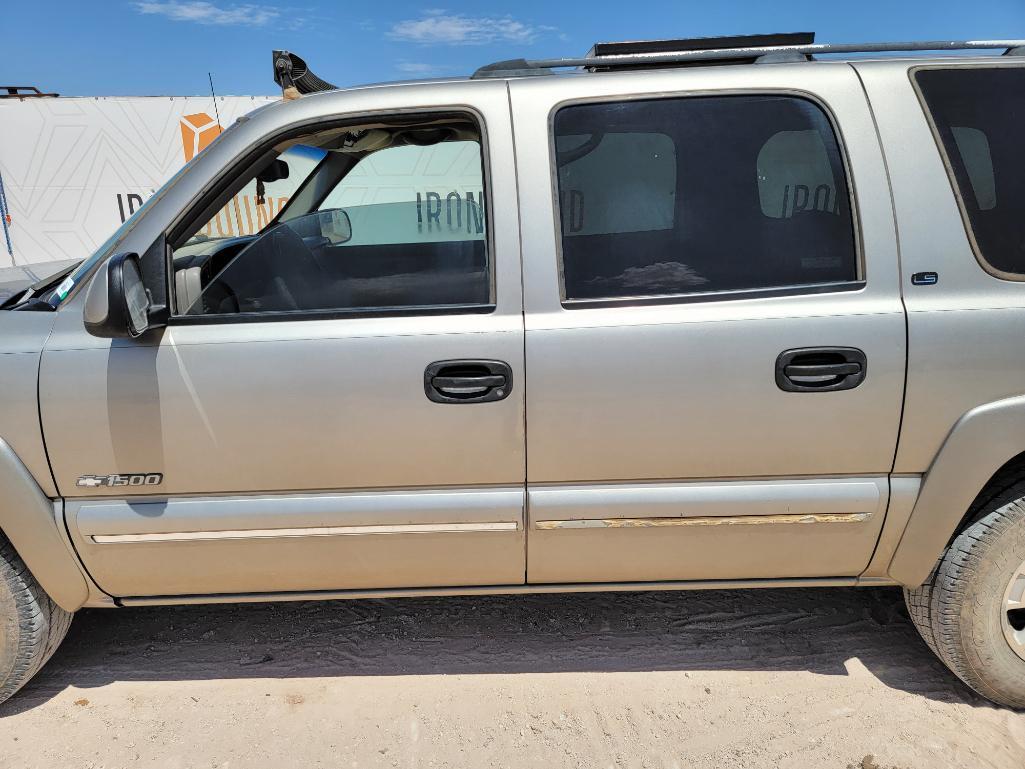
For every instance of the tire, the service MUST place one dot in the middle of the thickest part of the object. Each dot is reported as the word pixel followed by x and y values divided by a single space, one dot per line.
pixel 960 610
pixel 919 603
pixel 31 625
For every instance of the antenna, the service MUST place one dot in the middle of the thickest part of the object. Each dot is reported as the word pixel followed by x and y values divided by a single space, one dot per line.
pixel 213 95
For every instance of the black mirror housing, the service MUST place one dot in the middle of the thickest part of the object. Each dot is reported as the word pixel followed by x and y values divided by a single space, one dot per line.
pixel 118 304
pixel 274 171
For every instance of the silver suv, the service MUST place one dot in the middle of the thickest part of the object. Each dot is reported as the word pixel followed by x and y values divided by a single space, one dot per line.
pixel 650 323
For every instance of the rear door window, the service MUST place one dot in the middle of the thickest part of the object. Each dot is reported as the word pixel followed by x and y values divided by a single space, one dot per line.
pixel 698 195
pixel 977 114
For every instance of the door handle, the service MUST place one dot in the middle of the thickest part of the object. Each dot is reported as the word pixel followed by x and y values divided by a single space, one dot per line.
pixel 467 381
pixel 467 384
pixel 820 369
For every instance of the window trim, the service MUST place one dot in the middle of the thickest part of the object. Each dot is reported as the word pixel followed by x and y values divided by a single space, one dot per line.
pixel 726 295
pixel 251 158
pixel 859 283
pixel 362 312
pixel 948 167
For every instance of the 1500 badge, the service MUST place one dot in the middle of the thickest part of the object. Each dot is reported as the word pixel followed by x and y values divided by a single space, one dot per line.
pixel 128 479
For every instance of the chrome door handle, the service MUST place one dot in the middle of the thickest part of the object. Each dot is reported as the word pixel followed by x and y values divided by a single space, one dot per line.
pixel 455 385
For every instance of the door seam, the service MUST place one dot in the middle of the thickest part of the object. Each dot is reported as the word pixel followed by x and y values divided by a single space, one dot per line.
pixel 523 331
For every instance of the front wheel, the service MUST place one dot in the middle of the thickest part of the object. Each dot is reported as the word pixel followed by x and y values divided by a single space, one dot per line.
pixel 971 610
pixel 31 625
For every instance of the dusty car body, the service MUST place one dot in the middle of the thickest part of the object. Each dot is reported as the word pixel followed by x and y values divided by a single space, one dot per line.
pixel 763 336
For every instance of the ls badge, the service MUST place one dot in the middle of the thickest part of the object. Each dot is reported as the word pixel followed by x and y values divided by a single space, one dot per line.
pixel 129 479
pixel 925 279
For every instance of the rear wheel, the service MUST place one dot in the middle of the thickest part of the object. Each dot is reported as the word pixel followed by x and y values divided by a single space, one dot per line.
pixel 971 610
pixel 31 625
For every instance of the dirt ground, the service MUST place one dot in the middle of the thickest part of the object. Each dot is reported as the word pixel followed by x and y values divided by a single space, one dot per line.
pixel 757 678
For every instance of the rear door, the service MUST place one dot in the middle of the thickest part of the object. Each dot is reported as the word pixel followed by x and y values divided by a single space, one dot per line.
pixel 715 339
pixel 295 450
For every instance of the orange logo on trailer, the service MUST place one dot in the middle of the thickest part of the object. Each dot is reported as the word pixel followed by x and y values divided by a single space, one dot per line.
pixel 197 132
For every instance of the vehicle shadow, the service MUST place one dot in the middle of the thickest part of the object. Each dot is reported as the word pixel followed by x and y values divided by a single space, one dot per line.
pixel 815 630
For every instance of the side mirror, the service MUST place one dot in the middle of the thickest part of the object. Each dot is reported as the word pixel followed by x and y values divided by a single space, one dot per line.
pixel 118 304
pixel 335 225
pixel 331 225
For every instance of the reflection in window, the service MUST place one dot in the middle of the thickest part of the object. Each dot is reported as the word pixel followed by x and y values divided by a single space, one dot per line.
pixel 973 147
pixel 795 175
pixel 700 194
pixel 367 219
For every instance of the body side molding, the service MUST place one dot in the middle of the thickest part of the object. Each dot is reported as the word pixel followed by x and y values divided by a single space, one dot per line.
pixel 981 442
pixel 710 499
pixel 106 519
pixel 308 531
pixel 27 519
pixel 713 520
pixel 301 542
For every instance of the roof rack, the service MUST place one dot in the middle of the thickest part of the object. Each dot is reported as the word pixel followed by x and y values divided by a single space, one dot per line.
pixel 620 48
pixel 23 92
pixel 750 48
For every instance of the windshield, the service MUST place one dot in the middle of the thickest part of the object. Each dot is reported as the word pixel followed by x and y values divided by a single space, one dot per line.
pixel 85 268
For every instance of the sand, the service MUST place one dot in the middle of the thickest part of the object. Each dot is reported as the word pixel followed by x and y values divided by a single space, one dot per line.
pixel 753 678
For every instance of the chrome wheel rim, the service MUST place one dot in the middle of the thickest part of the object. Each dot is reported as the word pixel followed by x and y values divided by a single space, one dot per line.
pixel 1013 611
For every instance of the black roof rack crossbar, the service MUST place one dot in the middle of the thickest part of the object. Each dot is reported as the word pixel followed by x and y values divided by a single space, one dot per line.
pixel 22 92
pixel 540 66
pixel 621 48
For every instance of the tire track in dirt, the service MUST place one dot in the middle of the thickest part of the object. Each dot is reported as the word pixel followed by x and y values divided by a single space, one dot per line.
pixel 753 678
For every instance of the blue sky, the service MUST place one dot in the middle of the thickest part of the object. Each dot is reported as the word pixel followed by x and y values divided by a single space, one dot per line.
pixel 167 46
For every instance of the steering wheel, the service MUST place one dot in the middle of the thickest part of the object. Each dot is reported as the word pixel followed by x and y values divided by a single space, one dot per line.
pixel 219 299
pixel 275 272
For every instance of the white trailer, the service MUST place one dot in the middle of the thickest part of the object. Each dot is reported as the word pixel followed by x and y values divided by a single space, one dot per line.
pixel 74 168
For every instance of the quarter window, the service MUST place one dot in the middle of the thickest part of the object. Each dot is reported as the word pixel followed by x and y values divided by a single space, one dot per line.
pixel 977 113
pixel 696 195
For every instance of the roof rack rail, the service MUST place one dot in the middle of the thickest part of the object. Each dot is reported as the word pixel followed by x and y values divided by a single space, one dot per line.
pixel 23 92
pixel 739 52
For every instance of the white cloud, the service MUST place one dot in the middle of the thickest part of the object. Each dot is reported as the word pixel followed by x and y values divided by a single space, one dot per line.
pixel 201 12
pixel 438 26
pixel 418 68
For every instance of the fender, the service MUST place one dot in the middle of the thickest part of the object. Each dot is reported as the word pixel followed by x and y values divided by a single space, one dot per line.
pixel 979 444
pixel 27 519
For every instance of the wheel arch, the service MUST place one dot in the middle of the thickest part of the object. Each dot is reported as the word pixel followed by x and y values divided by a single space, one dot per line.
pixel 986 443
pixel 27 520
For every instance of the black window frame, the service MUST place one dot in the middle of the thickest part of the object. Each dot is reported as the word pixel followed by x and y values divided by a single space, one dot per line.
pixel 694 297
pixel 258 155
pixel 948 166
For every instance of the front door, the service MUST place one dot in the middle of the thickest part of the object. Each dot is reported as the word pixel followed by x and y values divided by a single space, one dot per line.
pixel 715 337
pixel 338 401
